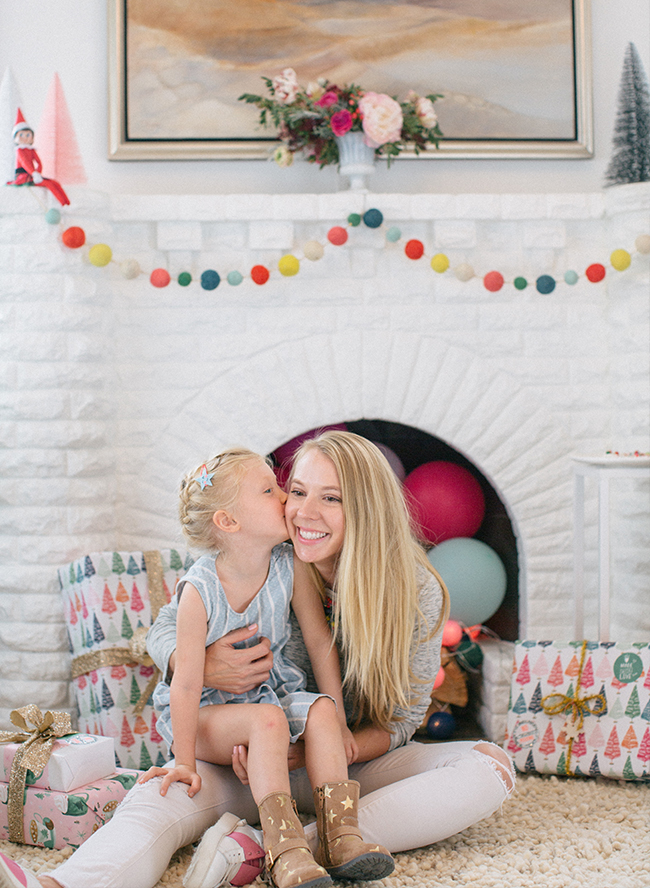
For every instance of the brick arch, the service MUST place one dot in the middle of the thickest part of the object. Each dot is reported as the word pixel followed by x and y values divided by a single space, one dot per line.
pixel 425 382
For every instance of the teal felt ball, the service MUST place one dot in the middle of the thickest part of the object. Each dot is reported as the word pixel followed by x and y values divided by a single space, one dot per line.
pixel 210 279
pixel 53 217
pixel 373 218
pixel 545 284
pixel 570 277
pixel 393 234
pixel 234 278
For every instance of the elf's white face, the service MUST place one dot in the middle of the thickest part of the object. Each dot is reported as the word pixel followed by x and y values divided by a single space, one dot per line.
pixel 24 137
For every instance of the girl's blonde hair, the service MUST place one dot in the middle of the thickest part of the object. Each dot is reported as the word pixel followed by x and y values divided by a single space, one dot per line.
pixel 377 617
pixel 199 502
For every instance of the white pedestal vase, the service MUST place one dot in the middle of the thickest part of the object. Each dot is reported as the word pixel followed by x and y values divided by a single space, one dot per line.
pixel 356 159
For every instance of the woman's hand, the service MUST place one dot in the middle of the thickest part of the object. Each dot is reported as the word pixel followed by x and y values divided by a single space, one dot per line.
pixel 177 774
pixel 351 748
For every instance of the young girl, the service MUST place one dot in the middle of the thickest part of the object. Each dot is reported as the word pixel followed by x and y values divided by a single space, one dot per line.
pixel 233 509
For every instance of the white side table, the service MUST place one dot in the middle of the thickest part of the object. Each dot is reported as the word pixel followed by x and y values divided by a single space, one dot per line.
pixel 601 468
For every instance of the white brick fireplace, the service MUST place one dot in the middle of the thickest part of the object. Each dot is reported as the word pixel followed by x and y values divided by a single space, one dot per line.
pixel 111 387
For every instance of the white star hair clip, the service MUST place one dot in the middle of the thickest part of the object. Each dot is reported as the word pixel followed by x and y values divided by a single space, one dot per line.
pixel 204 479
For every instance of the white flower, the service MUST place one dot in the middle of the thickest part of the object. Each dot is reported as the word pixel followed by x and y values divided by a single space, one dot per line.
pixel 426 112
pixel 286 86
pixel 282 156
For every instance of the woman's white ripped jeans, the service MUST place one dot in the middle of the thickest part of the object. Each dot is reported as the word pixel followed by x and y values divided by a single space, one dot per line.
pixel 414 796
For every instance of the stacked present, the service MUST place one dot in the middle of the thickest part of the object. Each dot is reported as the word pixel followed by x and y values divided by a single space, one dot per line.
pixel 110 601
pixel 581 709
pixel 56 787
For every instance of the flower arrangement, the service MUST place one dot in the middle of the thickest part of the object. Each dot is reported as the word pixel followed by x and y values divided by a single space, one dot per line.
pixel 311 119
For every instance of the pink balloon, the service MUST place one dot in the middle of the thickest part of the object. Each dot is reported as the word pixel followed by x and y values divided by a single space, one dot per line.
pixel 451 634
pixel 285 452
pixel 440 677
pixel 445 501
pixel 393 460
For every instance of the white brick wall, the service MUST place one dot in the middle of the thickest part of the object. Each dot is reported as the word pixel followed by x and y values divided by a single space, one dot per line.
pixel 110 388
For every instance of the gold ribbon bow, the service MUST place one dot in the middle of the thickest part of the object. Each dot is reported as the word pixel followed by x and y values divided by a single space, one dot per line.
pixel 576 707
pixel 136 652
pixel 33 755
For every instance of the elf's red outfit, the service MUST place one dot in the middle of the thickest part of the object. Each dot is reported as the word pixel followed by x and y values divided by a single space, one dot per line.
pixel 28 164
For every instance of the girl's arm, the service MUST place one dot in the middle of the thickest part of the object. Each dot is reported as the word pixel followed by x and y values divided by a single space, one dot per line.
pixel 185 692
pixel 323 655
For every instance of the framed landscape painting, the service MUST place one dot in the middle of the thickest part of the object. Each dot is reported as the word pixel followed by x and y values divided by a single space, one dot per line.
pixel 515 77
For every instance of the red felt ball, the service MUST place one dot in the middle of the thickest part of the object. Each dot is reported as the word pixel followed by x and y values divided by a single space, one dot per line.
pixel 160 277
pixel 260 274
pixel 451 634
pixel 595 272
pixel 414 249
pixel 74 237
pixel 337 235
pixel 445 501
pixel 493 281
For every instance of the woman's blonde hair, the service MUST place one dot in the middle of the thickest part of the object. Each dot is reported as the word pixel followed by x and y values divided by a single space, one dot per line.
pixel 377 617
pixel 199 500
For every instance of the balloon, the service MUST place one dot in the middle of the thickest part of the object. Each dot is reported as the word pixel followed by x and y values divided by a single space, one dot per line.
pixel 451 634
pixel 441 725
pixel 474 575
pixel 440 677
pixel 285 452
pixel 445 501
pixel 393 459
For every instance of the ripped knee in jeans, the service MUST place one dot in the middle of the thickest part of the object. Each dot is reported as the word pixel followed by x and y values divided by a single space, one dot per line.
pixel 500 762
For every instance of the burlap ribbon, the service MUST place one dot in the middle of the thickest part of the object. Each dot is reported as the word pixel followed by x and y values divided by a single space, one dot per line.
pixel 32 755
pixel 576 707
pixel 136 652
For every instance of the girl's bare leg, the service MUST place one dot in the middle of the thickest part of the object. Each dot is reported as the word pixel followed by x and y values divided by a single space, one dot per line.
pixel 325 758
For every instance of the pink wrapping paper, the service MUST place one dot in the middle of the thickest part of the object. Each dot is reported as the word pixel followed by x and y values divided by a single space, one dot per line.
pixel 54 819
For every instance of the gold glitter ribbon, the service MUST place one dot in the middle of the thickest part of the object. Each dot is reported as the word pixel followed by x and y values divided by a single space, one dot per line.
pixel 576 707
pixel 33 755
pixel 136 652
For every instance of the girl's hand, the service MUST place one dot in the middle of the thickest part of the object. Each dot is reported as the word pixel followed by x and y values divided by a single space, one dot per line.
pixel 351 748
pixel 177 774
pixel 240 763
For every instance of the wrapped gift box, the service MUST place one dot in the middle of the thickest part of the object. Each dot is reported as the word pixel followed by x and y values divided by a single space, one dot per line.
pixel 110 601
pixel 580 709
pixel 75 759
pixel 54 819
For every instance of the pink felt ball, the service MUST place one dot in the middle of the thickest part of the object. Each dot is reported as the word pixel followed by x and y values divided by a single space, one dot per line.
pixel 451 634
pixel 160 277
pixel 337 235
pixel 445 501
pixel 285 452
pixel 493 281
pixel 440 677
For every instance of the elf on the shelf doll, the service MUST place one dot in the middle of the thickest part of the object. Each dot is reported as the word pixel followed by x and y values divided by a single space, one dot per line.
pixel 28 163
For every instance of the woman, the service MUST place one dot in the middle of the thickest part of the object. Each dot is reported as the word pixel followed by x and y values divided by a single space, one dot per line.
pixel 347 519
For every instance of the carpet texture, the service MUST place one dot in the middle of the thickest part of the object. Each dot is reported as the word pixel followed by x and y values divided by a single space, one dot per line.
pixel 555 833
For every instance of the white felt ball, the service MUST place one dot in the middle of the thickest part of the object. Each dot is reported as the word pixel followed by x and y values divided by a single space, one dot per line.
pixel 464 272
pixel 313 250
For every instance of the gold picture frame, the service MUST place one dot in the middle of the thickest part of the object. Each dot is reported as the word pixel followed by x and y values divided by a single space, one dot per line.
pixel 144 138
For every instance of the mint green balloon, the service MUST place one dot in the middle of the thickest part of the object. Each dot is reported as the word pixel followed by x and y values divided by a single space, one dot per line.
pixel 474 575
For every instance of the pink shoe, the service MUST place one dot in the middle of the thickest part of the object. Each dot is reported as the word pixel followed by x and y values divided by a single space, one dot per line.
pixel 13 875
pixel 230 853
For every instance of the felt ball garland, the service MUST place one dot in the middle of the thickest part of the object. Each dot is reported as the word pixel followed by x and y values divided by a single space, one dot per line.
pixel 101 255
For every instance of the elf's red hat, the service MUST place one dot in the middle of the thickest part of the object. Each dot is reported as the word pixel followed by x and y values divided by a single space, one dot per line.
pixel 20 124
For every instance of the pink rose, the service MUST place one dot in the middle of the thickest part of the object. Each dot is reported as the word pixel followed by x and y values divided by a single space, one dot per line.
pixel 286 86
pixel 330 98
pixel 426 112
pixel 341 122
pixel 382 119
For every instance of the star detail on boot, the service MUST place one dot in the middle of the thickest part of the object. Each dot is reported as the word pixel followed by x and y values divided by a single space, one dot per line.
pixel 331 816
pixel 327 791
pixel 347 803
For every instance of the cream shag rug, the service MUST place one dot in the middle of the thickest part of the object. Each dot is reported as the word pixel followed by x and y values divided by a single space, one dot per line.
pixel 555 833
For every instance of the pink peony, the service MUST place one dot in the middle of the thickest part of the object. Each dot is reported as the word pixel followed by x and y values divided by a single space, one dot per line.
pixel 341 122
pixel 382 119
pixel 286 86
pixel 426 112
pixel 330 98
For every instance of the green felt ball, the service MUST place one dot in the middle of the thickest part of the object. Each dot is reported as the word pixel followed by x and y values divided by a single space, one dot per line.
pixel 520 283
pixel 354 219
pixel 184 278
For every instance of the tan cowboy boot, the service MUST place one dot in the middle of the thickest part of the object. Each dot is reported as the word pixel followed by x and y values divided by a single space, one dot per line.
pixel 341 849
pixel 289 861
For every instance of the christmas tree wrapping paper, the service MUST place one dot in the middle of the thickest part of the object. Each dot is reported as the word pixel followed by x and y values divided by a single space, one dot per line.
pixel 580 709
pixel 110 600
pixel 54 819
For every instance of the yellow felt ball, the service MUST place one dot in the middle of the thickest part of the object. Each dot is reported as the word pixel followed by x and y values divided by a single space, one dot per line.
pixel 288 265
pixel 620 260
pixel 440 263
pixel 642 243
pixel 313 250
pixel 100 255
